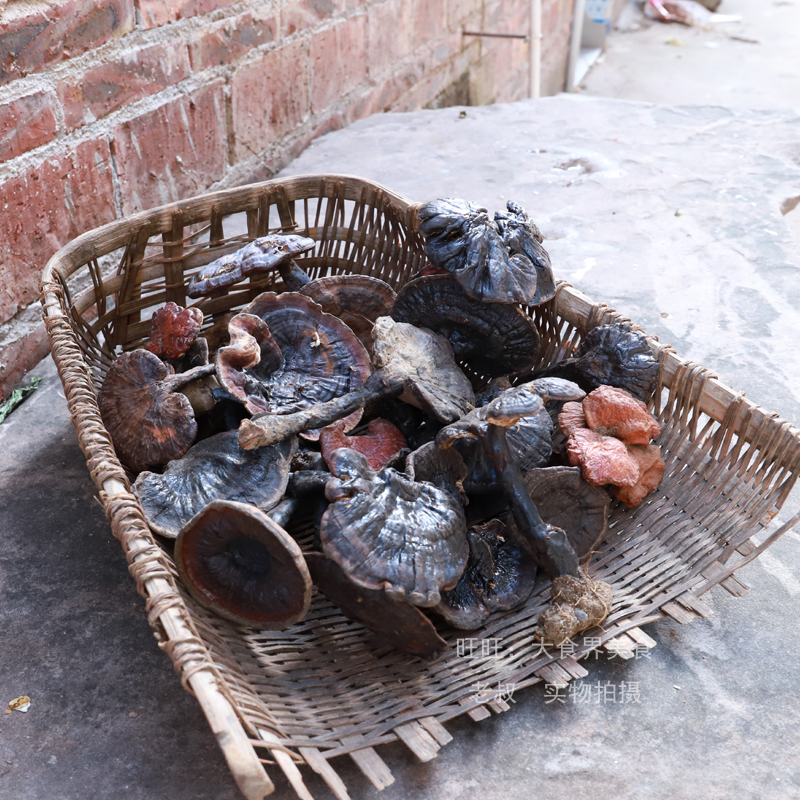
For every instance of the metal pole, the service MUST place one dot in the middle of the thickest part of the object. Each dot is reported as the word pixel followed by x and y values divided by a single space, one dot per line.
pixel 535 55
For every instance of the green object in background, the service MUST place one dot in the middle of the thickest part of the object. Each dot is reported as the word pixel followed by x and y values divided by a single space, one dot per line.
pixel 17 396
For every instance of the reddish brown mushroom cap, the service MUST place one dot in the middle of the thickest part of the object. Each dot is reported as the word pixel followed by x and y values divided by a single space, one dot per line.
pixel 381 444
pixel 651 471
pixel 602 459
pixel 173 329
pixel 404 626
pixel 240 564
pixel 615 412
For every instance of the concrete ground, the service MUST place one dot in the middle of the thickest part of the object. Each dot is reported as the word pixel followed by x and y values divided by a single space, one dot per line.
pixel 670 214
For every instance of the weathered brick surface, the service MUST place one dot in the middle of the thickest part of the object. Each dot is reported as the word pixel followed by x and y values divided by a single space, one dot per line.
pixel 136 74
pixel 172 152
pixel 297 15
pixel 30 42
pixel 154 13
pixel 25 123
pixel 430 19
pixel 45 209
pixel 338 61
pixel 389 36
pixel 20 355
pixel 226 41
pixel 269 98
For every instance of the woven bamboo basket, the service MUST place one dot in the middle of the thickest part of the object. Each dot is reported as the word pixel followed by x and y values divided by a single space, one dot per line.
pixel 326 688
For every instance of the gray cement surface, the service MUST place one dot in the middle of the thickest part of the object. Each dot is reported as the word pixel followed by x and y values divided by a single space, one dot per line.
pixel 719 708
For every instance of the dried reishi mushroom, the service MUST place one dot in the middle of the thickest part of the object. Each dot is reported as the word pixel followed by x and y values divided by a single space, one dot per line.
pixel 651 471
pixel 602 459
pixel 214 469
pixel 414 363
pixel 499 576
pixel 149 420
pixel 381 444
pixel 402 625
pixel 615 412
pixel 493 339
pixel 386 531
pixel 445 469
pixel 568 502
pixel 240 564
pixel 273 252
pixel 577 603
pixel 173 329
pixel 357 300
pixel 461 239
pixel 571 418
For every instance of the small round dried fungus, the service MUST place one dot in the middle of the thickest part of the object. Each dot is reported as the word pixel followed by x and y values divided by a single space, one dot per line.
pixel 214 469
pixel 500 576
pixel 615 412
pixel 577 603
pixel 493 339
pixel 321 358
pixel 461 239
pixel 402 625
pixel 568 502
pixel 357 300
pixel 445 469
pixel 651 471
pixel 149 420
pixel 381 444
pixel 240 564
pixel 386 531
pixel 173 329
pixel 602 459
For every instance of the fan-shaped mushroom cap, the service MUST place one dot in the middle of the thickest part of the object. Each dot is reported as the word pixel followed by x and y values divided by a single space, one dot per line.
pixel 602 459
pixel 499 576
pixel 267 253
pixel 173 329
pixel 567 501
pixel 357 300
pixel 386 531
pixel 381 444
pixel 571 418
pixel 240 564
pixel 322 358
pixel 491 338
pixel 445 469
pixel 651 471
pixel 460 238
pixel 424 363
pixel 214 469
pixel 149 420
pixel 615 412
pixel 404 626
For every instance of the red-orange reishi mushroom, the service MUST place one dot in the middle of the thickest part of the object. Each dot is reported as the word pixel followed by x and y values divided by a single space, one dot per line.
pixel 571 418
pixel 615 412
pixel 380 444
pixel 651 471
pixel 173 330
pixel 602 459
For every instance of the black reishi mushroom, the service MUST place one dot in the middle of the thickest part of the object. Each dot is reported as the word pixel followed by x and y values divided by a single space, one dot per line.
pixel 445 469
pixel 499 576
pixel 413 363
pixel 240 564
pixel 492 339
pixel 214 469
pixel 548 544
pixel 388 532
pixel 402 625
pixel 149 420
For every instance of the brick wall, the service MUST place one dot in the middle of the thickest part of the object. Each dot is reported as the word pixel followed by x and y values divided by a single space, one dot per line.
pixel 113 106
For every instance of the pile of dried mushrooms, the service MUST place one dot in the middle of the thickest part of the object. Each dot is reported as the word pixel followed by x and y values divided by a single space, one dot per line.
pixel 410 429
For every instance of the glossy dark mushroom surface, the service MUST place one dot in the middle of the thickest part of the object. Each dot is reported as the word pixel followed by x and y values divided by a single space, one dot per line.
pixel 173 329
pixel 445 469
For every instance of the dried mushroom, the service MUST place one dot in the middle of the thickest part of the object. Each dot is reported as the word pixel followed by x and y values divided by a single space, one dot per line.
pixel 240 564
pixel 149 420
pixel 381 444
pixel 461 239
pixel 414 363
pixel 273 252
pixel 214 469
pixel 577 603
pixel 388 532
pixel 567 501
pixel 173 330
pixel 445 469
pixel 651 471
pixel 615 412
pixel 499 576
pixel 602 459
pixel 402 625
pixel 492 339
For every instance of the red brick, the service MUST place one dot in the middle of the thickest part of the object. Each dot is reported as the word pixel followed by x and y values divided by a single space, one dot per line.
pixel 299 15
pixel 31 41
pixel 430 20
pixel 154 13
pixel 269 98
pixel 175 151
pixel 389 36
pixel 45 209
pixel 26 123
pixel 133 75
pixel 228 40
pixel 338 61
pixel 21 355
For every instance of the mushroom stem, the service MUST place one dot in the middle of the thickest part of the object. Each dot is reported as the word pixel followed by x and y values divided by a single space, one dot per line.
pixel 294 277
pixel 282 512
pixel 549 545
pixel 176 382
pixel 267 429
